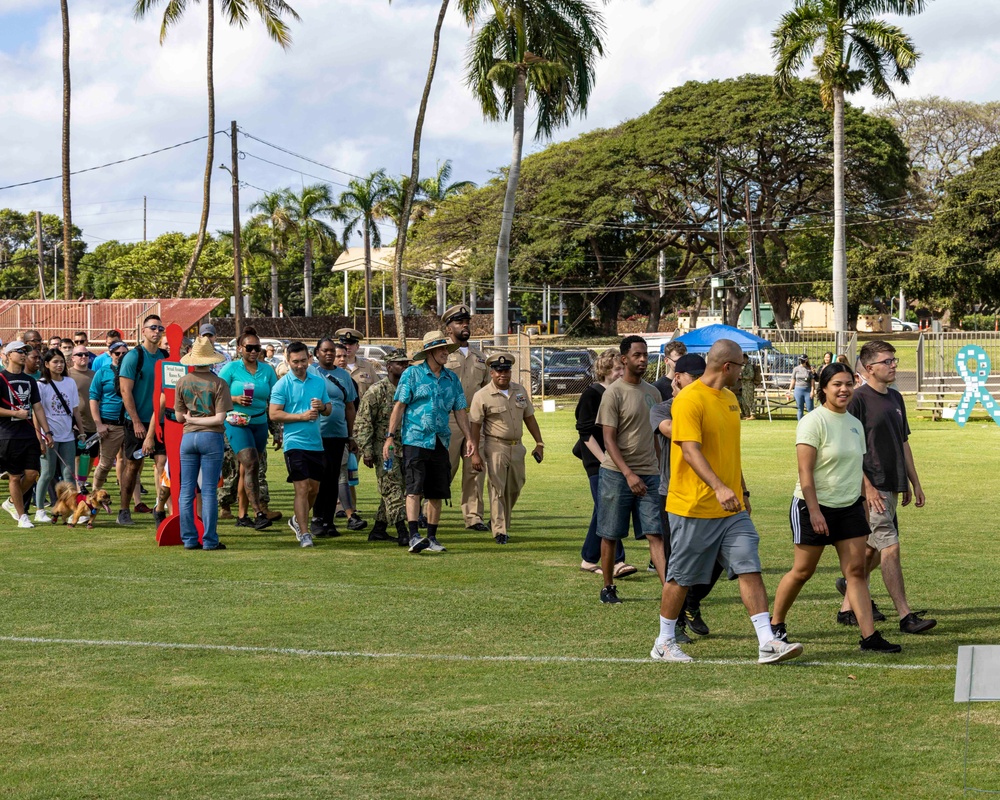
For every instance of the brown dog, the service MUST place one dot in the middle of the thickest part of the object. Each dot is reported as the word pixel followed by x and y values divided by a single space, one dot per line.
pixel 71 505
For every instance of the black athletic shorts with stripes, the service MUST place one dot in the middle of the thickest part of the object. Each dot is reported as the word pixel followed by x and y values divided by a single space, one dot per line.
pixel 844 523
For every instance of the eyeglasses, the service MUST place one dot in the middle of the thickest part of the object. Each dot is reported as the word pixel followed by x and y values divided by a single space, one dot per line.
pixel 736 363
pixel 252 348
pixel 889 362
pixel 159 328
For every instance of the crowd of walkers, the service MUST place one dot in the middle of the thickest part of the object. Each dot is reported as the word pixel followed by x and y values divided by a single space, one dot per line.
pixel 662 459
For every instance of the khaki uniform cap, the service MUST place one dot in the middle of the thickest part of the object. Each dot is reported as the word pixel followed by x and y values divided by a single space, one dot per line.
pixel 456 312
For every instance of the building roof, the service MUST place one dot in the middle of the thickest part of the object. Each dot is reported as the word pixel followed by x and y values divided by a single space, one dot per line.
pixel 383 259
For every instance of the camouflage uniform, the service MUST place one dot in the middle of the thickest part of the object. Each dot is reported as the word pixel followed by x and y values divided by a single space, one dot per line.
pixel 370 427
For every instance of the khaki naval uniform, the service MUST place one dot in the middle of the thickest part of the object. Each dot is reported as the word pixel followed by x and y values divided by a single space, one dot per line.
pixel 502 419
pixel 364 374
pixel 473 374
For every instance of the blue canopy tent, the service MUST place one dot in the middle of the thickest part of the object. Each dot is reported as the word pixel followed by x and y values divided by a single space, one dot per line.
pixel 700 340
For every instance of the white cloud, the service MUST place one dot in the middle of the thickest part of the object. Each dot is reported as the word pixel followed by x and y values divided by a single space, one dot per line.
pixel 346 92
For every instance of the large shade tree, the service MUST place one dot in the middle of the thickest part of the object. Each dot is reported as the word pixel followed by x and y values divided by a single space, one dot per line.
pixel 853 49
pixel 538 51
pixel 237 13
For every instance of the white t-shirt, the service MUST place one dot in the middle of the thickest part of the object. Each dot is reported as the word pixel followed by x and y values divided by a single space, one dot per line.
pixel 60 423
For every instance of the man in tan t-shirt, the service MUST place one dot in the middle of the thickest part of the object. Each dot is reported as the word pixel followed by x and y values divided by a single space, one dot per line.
pixel 499 411
pixel 629 478
pixel 469 363
pixel 83 376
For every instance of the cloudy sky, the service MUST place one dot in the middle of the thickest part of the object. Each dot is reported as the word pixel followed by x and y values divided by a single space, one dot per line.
pixel 345 93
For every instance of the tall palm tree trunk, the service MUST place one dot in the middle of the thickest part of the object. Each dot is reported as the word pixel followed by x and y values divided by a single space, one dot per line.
pixel 274 277
pixel 209 158
pixel 404 217
pixel 501 269
pixel 839 245
pixel 307 285
pixel 67 205
pixel 368 280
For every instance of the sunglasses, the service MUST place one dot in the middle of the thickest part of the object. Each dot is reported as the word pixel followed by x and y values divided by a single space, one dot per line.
pixel 80 355
pixel 159 328
pixel 79 341
pixel 252 348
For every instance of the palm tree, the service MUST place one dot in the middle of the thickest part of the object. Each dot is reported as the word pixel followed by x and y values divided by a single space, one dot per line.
pixel 236 12
pixel 394 198
pixel 438 189
pixel 853 49
pixel 271 209
pixel 411 188
pixel 305 213
pixel 67 231
pixel 538 50
pixel 360 206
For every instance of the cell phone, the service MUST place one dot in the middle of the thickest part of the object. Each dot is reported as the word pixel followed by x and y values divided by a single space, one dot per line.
pixel 536 456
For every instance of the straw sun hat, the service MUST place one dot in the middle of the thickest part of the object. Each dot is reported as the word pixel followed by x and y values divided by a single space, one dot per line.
pixel 202 354
pixel 432 341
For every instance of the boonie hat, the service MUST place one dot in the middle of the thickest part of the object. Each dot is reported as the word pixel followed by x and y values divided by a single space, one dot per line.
pixel 500 361
pixel 459 312
pixel 397 357
pixel 202 353
pixel 432 341
pixel 349 335
pixel 690 364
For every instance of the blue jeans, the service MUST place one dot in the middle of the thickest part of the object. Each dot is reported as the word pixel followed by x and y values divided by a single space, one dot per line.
pixel 802 397
pixel 201 451
pixel 591 550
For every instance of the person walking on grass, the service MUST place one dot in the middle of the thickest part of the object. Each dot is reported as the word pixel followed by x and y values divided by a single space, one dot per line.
pixel 83 377
pixel 709 507
pixel 250 381
pixel 629 478
pixel 500 411
pixel 801 387
pixel 590 449
pixel 298 400
pixel 201 402
pixel 672 351
pixel 827 505
pixel 136 377
pixel 61 402
pixel 889 475
pixel 688 369
pixel 109 417
pixel 427 395
pixel 23 430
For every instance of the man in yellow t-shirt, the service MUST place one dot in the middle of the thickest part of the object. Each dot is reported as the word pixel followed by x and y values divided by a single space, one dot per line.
pixel 708 519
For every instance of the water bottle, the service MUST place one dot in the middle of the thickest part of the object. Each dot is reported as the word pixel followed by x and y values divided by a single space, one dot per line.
pixel 352 469
pixel 387 464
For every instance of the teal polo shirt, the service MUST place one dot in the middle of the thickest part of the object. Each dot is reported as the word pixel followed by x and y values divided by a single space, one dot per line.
pixel 296 397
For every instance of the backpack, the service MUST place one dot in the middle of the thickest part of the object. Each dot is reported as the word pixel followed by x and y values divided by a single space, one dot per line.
pixel 138 375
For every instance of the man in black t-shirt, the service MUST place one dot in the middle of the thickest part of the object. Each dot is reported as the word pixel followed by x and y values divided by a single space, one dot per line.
pixel 672 352
pixel 20 443
pixel 889 472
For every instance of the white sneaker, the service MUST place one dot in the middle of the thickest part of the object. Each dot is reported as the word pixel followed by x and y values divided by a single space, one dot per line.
pixel 8 506
pixel 776 650
pixel 306 540
pixel 669 650
pixel 41 516
pixel 25 522
pixel 294 525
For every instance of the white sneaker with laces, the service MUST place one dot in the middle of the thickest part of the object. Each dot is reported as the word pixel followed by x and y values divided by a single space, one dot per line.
pixel 25 522
pixel 306 540
pixel 669 650
pixel 41 516
pixel 8 506
pixel 294 525
pixel 777 650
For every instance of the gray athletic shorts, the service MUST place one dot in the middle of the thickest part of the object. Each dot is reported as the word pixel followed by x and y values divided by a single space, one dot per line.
pixel 696 544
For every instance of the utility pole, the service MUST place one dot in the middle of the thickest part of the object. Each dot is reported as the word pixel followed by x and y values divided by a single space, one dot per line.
pixel 754 288
pixel 722 242
pixel 144 217
pixel 237 255
pixel 41 255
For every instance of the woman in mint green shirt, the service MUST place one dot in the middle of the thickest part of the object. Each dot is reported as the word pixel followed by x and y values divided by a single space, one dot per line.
pixel 250 379
pixel 827 505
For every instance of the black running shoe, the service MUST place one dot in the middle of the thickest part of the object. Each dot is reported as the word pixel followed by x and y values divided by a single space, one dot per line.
pixel 876 644
pixel 244 522
pixel 261 521
pixel 841 584
pixel 778 629
pixel 609 594
pixel 680 635
pixel 877 615
pixel 693 620
pixel 847 618
pixel 915 623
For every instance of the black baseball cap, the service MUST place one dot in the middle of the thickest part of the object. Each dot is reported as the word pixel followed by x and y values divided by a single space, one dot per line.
pixel 690 364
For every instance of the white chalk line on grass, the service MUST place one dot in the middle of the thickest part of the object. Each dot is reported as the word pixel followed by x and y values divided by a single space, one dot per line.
pixel 295 651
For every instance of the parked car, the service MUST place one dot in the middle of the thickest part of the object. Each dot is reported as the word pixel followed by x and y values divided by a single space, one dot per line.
pixel 900 325
pixel 562 371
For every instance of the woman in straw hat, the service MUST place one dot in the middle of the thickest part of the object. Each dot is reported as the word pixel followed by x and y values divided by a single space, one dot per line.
pixel 201 402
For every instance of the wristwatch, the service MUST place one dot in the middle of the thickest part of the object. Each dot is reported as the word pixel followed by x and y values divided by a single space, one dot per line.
pixel 390 435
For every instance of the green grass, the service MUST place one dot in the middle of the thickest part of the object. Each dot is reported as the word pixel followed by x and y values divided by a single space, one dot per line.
pixel 87 721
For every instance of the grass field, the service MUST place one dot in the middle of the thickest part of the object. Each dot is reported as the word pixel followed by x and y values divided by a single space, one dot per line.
pixel 485 671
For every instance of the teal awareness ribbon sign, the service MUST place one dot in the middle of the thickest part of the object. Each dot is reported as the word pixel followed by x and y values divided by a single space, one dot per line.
pixel 973 365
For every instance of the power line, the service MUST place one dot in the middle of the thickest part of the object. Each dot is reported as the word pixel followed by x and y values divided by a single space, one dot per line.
pixel 292 169
pixel 304 158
